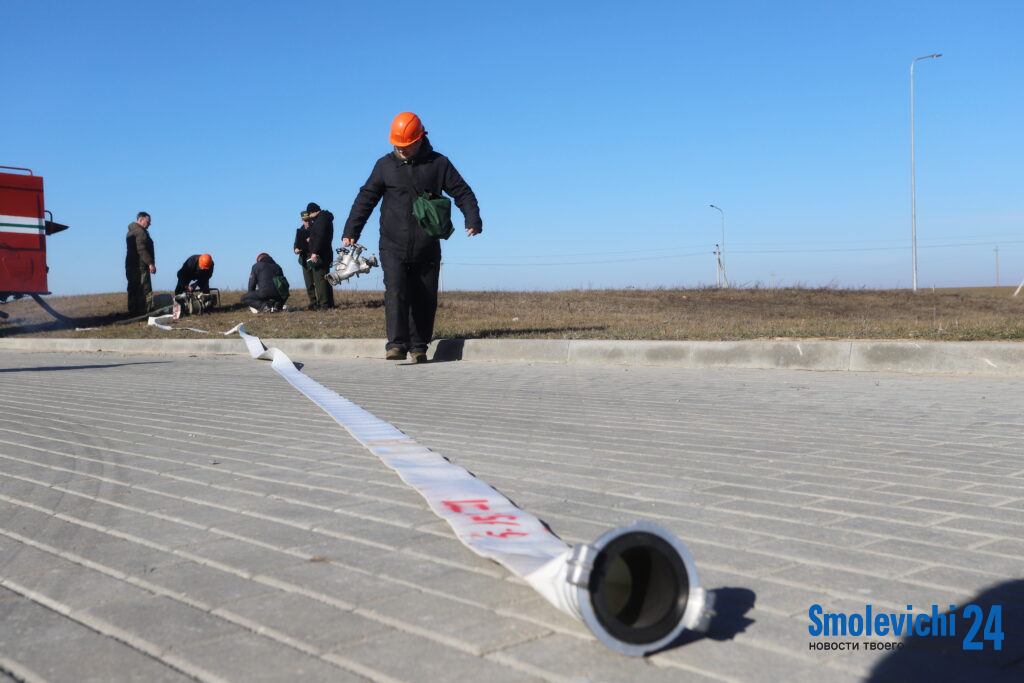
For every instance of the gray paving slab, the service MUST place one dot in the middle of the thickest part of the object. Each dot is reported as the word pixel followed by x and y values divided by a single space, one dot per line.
pixel 197 517
pixel 244 657
pixel 84 654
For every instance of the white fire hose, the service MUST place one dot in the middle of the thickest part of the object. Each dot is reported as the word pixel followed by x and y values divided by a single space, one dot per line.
pixel 159 320
pixel 635 587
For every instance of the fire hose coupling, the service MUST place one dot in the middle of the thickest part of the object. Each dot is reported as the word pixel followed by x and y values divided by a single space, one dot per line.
pixel 637 588
pixel 350 262
pixel 580 564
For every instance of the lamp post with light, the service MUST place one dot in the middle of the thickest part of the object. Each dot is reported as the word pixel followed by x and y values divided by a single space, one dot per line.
pixel 719 249
pixel 913 178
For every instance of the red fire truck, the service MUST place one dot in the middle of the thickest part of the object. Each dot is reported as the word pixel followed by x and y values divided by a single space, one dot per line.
pixel 24 225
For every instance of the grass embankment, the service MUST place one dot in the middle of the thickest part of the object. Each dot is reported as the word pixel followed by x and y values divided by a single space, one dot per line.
pixel 982 313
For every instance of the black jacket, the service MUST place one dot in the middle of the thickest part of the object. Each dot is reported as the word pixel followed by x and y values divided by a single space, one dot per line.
pixel 140 252
pixel 302 242
pixel 190 272
pixel 261 278
pixel 321 234
pixel 399 233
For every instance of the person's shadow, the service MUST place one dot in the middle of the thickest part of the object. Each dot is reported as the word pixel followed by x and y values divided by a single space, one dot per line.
pixel 943 659
pixel 103 366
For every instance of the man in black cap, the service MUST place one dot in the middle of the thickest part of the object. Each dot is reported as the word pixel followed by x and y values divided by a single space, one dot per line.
pixel 302 249
pixel 321 234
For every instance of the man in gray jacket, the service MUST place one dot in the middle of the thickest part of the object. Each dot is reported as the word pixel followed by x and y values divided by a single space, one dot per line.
pixel 139 264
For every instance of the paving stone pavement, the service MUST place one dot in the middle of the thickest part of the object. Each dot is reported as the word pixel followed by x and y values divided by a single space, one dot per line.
pixel 170 518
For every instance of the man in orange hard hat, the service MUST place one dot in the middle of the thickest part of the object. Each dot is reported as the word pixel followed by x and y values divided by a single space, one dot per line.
pixel 411 258
pixel 195 273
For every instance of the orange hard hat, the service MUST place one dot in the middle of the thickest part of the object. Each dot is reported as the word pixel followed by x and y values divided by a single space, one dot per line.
pixel 406 129
pixel 205 262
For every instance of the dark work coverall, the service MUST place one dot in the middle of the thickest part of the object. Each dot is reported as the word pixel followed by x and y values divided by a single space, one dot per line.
pixel 321 234
pixel 262 290
pixel 140 255
pixel 410 257
pixel 190 272
pixel 302 245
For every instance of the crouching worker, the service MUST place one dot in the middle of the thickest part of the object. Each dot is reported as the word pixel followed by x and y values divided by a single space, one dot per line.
pixel 195 273
pixel 268 287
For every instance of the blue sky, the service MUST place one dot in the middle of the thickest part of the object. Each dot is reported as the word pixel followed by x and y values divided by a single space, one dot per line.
pixel 595 134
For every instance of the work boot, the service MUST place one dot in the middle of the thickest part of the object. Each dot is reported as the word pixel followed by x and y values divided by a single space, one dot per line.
pixel 395 353
pixel 418 356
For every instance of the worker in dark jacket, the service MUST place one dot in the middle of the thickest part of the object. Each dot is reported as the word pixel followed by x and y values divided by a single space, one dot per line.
pixel 410 257
pixel 139 264
pixel 195 273
pixel 321 234
pixel 302 249
pixel 263 295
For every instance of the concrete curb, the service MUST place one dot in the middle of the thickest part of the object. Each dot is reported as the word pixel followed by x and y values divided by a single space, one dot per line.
pixel 958 358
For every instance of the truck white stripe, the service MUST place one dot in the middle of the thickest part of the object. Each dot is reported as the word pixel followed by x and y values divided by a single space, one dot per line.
pixel 22 225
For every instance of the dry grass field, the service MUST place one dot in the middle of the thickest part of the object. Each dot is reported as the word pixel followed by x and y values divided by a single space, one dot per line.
pixel 982 313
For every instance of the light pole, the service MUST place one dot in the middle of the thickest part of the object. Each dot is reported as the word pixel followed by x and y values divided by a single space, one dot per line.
pixel 720 250
pixel 913 179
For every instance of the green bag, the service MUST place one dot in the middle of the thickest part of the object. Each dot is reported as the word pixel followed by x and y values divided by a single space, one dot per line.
pixel 281 285
pixel 434 215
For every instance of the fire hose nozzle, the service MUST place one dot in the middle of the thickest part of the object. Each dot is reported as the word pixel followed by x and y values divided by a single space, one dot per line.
pixel 350 262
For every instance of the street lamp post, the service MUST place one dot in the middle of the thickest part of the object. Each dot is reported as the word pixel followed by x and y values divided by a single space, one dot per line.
pixel 913 178
pixel 720 250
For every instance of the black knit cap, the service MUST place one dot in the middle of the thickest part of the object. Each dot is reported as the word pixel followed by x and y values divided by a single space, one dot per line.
pixel 312 207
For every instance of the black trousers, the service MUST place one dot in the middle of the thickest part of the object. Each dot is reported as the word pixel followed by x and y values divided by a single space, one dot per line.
pixel 410 300
pixel 256 300
pixel 307 277
pixel 321 288
pixel 140 290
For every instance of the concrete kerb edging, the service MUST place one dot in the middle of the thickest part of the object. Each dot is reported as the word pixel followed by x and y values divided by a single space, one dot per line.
pixel 958 358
